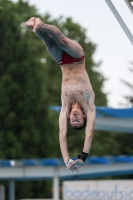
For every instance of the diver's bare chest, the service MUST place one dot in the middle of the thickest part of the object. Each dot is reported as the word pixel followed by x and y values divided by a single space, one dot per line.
pixel 75 94
pixel 76 87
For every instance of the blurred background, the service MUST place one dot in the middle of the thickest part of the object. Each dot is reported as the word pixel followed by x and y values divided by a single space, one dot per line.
pixel 30 81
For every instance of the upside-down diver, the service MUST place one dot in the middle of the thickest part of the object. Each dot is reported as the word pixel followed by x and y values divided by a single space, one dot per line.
pixel 77 95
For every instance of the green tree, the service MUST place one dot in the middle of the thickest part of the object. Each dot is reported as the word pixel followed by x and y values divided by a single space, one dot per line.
pixel 23 108
pixel 22 104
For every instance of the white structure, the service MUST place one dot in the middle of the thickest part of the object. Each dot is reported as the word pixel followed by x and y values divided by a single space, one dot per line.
pixel 97 190
pixel 119 120
pixel 119 19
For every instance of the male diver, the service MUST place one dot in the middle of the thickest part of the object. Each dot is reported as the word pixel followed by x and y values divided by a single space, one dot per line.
pixel 77 95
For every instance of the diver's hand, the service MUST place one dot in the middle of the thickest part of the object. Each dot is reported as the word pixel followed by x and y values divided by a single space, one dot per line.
pixel 75 165
pixel 71 164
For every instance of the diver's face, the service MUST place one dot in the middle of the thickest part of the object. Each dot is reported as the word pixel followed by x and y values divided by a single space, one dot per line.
pixel 76 117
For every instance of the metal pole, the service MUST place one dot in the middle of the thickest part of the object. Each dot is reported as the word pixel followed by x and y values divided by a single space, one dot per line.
pixel 56 185
pixel 2 192
pixel 129 5
pixel 11 190
pixel 120 20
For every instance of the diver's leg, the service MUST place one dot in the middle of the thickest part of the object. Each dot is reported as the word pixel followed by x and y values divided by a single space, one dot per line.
pixel 72 47
pixel 38 27
pixel 34 22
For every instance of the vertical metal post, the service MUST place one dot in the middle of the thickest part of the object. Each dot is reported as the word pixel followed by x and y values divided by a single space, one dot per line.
pixel 56 185
pixel 11 190
pixel 129 6
pixel 120 20
pixel 2 192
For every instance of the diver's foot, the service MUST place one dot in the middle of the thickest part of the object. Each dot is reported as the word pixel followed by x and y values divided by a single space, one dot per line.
pixel 30 23
pixel 37 26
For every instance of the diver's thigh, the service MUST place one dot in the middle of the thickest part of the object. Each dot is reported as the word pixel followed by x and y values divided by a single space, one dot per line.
pixel 55 52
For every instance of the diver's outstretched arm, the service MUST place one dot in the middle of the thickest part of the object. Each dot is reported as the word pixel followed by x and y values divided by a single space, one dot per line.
pixel 63 135
pixel 91 117
pixel 63 142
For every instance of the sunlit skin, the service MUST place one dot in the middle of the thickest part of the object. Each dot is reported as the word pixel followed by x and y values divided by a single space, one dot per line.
pixel 76 91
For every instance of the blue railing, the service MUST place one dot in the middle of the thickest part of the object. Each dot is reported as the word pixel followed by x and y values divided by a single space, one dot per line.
pixel 59 162
pixel 106 112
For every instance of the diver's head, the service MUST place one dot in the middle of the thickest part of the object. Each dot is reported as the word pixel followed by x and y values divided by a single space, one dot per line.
pixel 77 117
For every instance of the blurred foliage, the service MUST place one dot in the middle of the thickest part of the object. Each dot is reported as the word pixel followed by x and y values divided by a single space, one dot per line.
pixel 128 99
pixel 30 82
